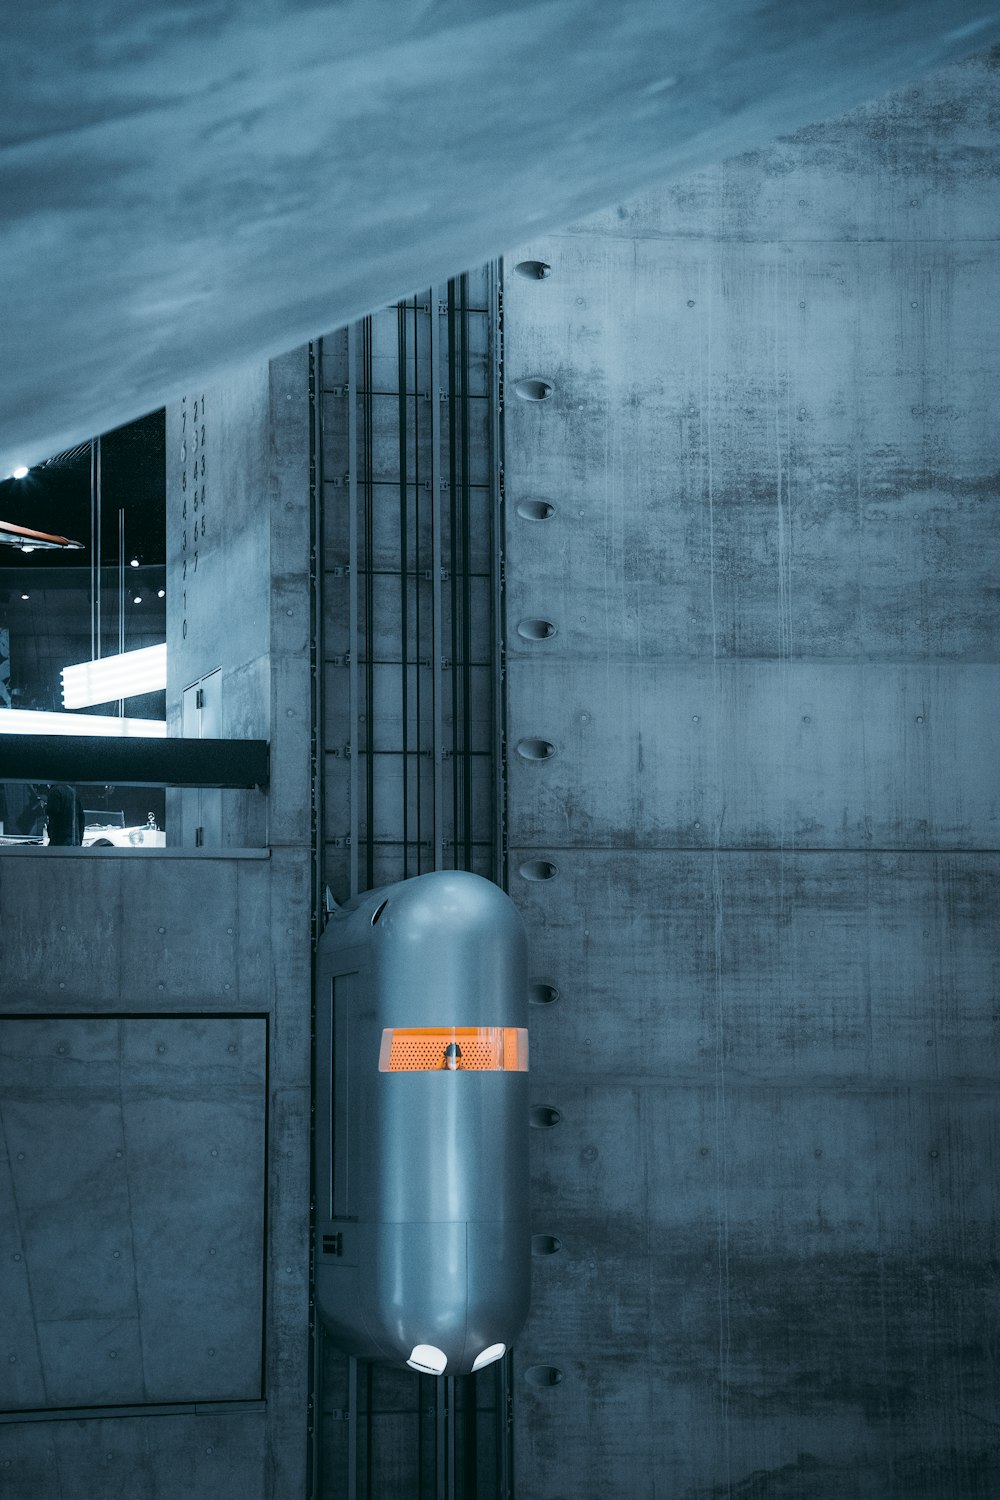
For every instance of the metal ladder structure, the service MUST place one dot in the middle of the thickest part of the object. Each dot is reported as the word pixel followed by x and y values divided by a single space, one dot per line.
pixel 409 755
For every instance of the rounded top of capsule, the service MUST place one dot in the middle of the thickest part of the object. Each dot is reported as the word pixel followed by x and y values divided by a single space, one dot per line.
pixel 437 905
pixel 445 949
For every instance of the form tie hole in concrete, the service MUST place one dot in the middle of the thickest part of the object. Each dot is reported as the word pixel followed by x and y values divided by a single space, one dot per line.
pixel 538 869
pixel 533 389
pixel 543 1117
pixel 536 630
pixel 542 994
pixel 533 270
pixel 376 914
pixel 545 1244
pixel 543 1375
pixel 530 749
pixel 536 510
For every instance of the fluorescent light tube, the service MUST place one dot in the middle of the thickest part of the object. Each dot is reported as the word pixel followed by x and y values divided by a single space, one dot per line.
pixel 37 721
pixel 111 677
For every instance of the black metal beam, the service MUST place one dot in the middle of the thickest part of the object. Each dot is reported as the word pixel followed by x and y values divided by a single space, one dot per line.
pixel 105 761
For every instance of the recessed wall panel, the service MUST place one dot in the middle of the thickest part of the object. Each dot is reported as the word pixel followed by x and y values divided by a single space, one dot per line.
pixel 136 1152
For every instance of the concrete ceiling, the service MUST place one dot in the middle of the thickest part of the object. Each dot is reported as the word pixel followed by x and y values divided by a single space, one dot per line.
pixel 187 187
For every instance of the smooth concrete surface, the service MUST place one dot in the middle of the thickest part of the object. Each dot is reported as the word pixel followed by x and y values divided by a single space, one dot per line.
pixel 178 946
pixel 780 754
pixel 660 953
pixel 119 933
pixel 771 455
pixel 238 601
pixel 249 614
pixel 187 191
pixel 200 937
pixel 137 1458
pixel 133 1210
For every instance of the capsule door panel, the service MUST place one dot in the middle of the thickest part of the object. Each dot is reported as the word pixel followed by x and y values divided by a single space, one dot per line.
pixel 336 1172
pixel 343 996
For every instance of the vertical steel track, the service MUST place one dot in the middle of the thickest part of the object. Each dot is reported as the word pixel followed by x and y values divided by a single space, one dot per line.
pixel 317 679
pixel 454 379
pixel 121 596
pixel 95 548
pixel 466 611
pixel 352 1428
pixel 437 612
pixel 317 675
pixel 352 602
pixel 404 586
pixel 498 595
pixel 369 615
pixel 417 612
pixel 415 538
pixel 504 1370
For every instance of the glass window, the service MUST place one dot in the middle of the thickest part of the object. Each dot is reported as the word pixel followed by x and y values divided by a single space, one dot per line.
pixel 454 1049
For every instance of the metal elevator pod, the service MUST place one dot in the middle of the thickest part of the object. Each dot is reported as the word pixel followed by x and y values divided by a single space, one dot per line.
pixel 409 756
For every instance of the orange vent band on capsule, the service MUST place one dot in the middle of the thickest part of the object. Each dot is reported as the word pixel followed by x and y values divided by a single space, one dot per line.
pixel 454 1049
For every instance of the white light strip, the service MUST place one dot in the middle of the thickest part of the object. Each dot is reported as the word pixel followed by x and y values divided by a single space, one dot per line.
pixel 111 677
pixel 489 1356
pixel 36 721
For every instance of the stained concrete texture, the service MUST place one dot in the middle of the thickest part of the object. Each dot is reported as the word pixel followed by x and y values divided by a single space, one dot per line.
pixel 765 959
pixel 822 962
pixel 238 596
pixel 170 1370
pixel 133 1213
pixel 248 613
pixel 180 932
pixel 196 952
pixel 758 754
pixel 137 1458
pixel 186 192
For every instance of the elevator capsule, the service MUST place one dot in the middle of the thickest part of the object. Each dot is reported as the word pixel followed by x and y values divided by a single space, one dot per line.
pixel 421 1154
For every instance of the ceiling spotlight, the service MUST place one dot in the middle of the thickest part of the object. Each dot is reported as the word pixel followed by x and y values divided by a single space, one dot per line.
pixel 136 598
pixel 27 549
pixel 134 562
pixel 25 596
pixel 161 593
pixel 21 472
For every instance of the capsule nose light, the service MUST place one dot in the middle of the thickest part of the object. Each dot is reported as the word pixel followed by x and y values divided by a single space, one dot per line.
pixel 489 1356
pixel 428 1359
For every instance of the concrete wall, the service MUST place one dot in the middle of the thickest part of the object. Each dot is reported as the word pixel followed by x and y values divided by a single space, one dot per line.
pixel 155 1053
pixel 155 1046
pixel 238 600
pixel 772 809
